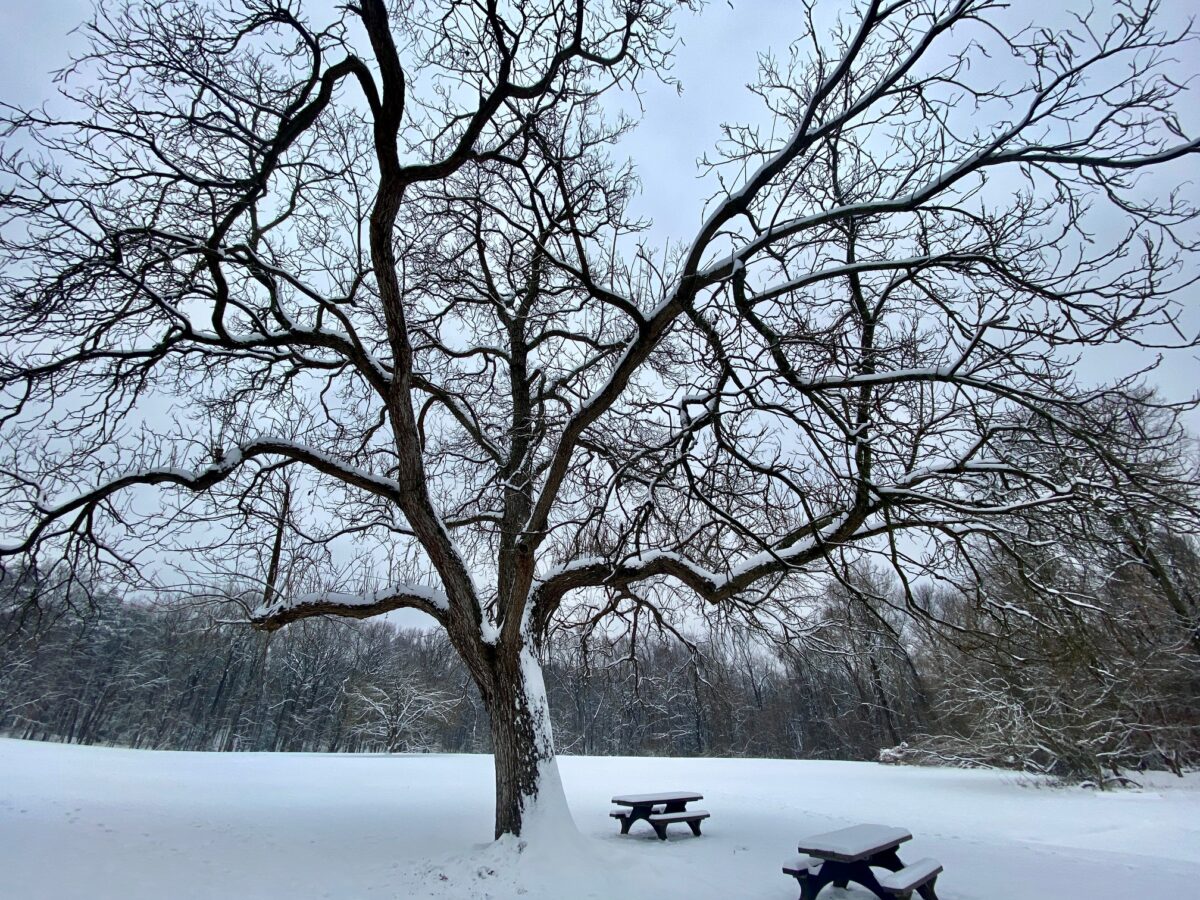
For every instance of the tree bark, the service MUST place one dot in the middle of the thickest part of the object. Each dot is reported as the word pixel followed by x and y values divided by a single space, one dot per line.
pixel 527 784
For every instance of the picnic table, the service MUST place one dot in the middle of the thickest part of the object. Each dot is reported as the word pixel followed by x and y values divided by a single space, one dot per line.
pixel 849 854
pixel 660 810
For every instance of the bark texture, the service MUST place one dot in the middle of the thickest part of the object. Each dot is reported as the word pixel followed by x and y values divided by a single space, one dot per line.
pixel 522 740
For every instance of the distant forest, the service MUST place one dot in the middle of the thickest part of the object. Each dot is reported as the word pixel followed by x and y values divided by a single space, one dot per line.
pixel 1081 692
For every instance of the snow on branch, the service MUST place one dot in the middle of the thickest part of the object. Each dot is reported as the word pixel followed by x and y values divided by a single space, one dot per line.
pixel 349 605
pixel 794 551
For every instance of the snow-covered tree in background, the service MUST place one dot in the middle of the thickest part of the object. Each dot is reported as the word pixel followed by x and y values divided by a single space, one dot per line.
pixel 399 717
pixel 389 257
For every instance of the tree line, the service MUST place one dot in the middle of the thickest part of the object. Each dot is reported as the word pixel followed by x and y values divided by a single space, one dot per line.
pixel 1083 692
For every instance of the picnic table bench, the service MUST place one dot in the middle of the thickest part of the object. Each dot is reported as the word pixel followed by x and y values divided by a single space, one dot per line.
pixel 660 810
pixel 849 854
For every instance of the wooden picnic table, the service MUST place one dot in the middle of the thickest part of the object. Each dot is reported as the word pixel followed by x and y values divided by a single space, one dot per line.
pixel 849 854
pixel 658 810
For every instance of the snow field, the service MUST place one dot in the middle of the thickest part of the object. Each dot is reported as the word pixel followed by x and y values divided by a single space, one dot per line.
pixel 93 823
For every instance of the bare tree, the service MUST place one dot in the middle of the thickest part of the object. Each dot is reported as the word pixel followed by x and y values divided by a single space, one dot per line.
pixel 1068 673
pixel 404 233
pixel 399 718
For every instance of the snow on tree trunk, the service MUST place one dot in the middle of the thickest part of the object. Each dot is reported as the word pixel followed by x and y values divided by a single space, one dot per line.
pixel 529 792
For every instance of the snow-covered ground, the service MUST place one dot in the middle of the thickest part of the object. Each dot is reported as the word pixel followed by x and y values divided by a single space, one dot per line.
pixel 86 822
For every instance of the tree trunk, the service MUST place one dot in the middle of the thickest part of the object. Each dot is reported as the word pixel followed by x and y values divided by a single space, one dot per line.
pixel 529 792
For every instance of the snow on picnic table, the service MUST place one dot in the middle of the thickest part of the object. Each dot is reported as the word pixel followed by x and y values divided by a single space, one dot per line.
pixel 89 822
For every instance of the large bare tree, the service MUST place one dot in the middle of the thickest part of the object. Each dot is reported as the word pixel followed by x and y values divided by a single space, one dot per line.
pixel 390 258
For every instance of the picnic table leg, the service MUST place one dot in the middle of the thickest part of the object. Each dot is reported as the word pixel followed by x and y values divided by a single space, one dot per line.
pixel 635 813
pixel 676 806
pixel 926 890
pixel 839 874
pixel 695 826
pixel 887 859
pixel 660 828
pixel 860 873
pixel 812 883
pixel 640 812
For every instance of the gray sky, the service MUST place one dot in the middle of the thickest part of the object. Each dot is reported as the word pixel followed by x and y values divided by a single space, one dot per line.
pixel 717 59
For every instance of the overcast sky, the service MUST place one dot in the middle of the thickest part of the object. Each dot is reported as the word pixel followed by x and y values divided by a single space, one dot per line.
pixel 717 59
